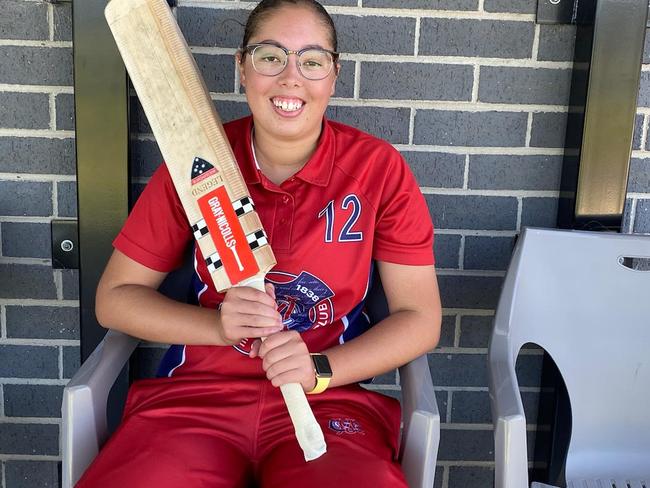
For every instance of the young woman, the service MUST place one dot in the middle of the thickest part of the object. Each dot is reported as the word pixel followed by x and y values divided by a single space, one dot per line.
pixel 332 200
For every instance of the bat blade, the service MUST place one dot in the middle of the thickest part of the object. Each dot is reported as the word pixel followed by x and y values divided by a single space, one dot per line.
pixel 201 163
pixel 192 140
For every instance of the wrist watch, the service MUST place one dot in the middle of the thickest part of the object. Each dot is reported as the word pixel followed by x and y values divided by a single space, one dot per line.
pixel 323 373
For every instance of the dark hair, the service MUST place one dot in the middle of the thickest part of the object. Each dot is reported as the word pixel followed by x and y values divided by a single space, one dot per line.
pixel 267 7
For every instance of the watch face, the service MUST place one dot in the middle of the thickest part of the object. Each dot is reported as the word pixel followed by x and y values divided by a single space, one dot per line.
pixel 322 365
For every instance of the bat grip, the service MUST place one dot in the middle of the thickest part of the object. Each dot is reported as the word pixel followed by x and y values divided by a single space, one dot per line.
pixel 308 432
pixel 256 282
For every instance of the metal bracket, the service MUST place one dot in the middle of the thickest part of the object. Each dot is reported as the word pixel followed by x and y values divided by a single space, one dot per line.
pixel 65 244
pixel 556 11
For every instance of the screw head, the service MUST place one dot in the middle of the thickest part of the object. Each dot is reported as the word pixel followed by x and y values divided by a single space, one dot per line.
pixel 67 245
pixel 555 2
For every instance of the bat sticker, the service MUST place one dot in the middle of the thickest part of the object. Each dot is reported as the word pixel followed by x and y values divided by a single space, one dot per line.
pixel 201 169
pixel 231 243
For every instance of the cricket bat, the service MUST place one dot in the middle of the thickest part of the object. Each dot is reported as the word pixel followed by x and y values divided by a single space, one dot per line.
pixel 202 165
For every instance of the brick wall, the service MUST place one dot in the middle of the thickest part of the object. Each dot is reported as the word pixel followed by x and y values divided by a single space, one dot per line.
pixel 39 322
pixel 472 92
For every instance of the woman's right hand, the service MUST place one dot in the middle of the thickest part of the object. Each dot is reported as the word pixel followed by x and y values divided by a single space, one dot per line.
pixel 248 313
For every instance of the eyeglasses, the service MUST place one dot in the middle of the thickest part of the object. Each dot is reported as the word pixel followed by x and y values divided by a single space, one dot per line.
pixel 271 60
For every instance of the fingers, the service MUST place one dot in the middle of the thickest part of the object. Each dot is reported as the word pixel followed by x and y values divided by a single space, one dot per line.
pixel 295 375
pixel 255 348
pixel 248 313
pixel 249 294
pixel 286 359
pixel 289 338
pixel 270 290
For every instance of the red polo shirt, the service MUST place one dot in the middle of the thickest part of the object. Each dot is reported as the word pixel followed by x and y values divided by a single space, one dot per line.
pixel 354 201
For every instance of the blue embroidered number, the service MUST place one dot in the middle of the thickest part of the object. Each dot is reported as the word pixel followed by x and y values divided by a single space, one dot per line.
pixel 329 220
pixel 346 235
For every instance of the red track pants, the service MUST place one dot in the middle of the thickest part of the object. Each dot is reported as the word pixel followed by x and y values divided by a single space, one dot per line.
pixel 230 432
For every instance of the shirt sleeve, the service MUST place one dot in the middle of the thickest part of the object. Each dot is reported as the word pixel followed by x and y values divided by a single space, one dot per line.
pixel 403 230
pixel 156 232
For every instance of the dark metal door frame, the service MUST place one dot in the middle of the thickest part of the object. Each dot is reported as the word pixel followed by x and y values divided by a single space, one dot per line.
pixel 102 139
pixel 102 145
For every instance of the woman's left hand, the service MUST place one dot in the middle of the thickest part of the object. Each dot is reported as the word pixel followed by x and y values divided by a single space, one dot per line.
pixel 286 359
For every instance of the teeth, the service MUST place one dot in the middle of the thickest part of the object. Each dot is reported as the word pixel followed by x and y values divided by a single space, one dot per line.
pixel 287 106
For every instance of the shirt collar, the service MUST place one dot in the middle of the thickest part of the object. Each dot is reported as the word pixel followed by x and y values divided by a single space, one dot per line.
pixel 318 169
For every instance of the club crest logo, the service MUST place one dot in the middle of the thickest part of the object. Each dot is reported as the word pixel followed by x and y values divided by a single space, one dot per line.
pixel 345 426
pixel 304 301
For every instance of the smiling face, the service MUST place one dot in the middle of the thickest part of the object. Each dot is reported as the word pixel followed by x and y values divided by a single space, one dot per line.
pixel 288 106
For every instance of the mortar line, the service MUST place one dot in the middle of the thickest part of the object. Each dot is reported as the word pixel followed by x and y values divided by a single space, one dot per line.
pixel 535 50
pixel 39 302
pixel 55 198
pixel 416 44
pixel 28 43
pixel 43 133
pixel 8 87
pixel 644 132
pixel 450 399
pixel 50 21
pixel 52 107
pixel 58 283
pixel 461 254
pixel 529 129
pixel 33 381
pixel 492 193
pixel 3 321
pixel 357 80
pixel 28 177
pixel 466 173
pixel 632 216
pixel 60 362
pixel 475 82
pixel 445 477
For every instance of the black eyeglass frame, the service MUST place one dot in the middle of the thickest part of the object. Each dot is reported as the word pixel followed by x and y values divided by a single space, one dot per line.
pixel 250 49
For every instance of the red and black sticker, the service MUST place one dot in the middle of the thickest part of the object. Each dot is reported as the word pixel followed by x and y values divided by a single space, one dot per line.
pixel 228 236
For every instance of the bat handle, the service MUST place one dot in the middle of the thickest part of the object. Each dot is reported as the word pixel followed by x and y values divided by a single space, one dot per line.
pixel 308 432
pixel 256 282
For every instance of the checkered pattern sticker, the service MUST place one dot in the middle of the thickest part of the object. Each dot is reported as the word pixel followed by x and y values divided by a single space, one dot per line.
pixel 214 262
pixel 257 239
pixel 243 206
pixel 200 229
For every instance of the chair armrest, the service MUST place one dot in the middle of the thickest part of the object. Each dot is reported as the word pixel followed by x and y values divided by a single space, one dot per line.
pixel 84 428
pixel 510 445
pixel 419 450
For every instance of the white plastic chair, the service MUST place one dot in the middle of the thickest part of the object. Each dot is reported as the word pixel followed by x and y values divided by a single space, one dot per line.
pixel 571 293
pixel 85 430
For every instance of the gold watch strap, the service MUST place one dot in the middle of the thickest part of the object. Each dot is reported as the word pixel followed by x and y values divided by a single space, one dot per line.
pixel 321 385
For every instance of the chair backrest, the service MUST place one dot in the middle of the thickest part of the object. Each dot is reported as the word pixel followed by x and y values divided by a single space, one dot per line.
pixel 571 293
